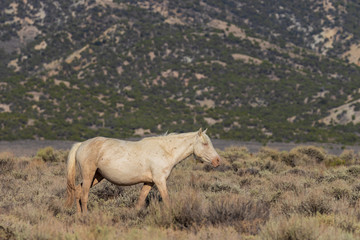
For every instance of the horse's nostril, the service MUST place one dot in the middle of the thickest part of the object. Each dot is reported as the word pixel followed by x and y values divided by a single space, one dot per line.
pixel 216 162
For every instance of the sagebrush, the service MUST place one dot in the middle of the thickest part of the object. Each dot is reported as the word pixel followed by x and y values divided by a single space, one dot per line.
pixel 266 195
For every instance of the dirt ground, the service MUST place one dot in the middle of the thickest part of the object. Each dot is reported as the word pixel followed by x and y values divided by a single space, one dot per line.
pixel 30 147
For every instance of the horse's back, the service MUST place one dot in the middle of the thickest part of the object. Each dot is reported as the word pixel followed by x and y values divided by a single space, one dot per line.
pixel 92 149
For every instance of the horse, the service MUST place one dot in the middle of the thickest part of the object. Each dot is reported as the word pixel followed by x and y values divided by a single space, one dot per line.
pixel 148 161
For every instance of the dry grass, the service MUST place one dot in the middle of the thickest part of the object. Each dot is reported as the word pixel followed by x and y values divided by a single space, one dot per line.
pixel 301 194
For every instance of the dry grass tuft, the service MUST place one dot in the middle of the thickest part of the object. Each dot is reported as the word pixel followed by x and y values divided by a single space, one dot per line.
pixel 300 227
pixel 246 215
pixel 6 164
pixel 5 233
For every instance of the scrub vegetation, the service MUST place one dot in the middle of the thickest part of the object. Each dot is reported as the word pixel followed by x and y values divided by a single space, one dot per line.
pixel 304 193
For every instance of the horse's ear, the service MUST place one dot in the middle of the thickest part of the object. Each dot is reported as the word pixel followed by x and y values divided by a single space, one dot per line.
pixel 200 131
pixel 204 132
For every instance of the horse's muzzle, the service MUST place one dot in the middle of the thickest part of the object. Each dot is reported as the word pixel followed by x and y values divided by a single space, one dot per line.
pixel 215 162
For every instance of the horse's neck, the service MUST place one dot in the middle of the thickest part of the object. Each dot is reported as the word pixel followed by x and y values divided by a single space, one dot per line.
pixel 181 146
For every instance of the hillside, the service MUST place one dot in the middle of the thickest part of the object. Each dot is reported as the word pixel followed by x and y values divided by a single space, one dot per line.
pixel 249 70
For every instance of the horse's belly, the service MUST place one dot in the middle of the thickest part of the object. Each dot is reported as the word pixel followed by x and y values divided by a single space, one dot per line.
pixel 125 173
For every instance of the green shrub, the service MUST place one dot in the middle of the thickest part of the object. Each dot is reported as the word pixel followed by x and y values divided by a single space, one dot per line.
pixel 49 154
pixel 334 161
pixel 348 156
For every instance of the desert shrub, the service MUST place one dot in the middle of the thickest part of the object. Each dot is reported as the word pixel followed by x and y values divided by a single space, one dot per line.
pixel 106 190
pixel 354 171
pixel 6 233
pixel 285 183
pixel 314 153
pixel 7 164
pixel 339 189
pixel 232 154
pixel 272 166
pixel 221 168
pixel 269 165
pixel 187 210
pixel 216 187
pixel 348 156
pixel 347 222
pixel 49 154
pixel 333 161
pixel 315 202
pixel 248 171
pixel 55 206
pixel 121 215
pixel 356 188
pixel 115 196
pixel 334 174
pixel 246 214
pixel 305 200
pixel 290 159
pixel 266 152
pixel 303 156
pixel 6 155
pixel 300 227
pixel 231 208
pixel 20 175
pixel 296 171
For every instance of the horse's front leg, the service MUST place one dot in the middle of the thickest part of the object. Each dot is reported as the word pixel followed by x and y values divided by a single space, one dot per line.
pixel 161 185
pixel 143 194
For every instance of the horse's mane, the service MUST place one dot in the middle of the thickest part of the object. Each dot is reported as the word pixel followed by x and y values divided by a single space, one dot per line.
pixel 167 135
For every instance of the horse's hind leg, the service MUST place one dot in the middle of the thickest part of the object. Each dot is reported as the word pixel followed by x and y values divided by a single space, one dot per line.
pixel 78 197
pixel 97 178
pixel 143 194
pixel 88 174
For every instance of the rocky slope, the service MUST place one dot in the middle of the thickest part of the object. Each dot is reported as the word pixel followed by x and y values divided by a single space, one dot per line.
pixel 247 69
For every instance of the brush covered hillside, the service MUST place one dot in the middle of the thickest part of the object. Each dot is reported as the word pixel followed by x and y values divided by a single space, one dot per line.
pixel 251 70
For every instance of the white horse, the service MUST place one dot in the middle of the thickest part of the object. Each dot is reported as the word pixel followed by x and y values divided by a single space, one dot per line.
pixel 125 163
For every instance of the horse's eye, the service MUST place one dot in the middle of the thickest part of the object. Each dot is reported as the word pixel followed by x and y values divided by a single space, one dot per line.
pixel 205 144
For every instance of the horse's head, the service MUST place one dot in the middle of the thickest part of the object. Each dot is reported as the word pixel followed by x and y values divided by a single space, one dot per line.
pixel 204 149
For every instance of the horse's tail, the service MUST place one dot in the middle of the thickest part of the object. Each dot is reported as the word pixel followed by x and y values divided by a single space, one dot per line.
pixel 71 175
